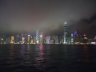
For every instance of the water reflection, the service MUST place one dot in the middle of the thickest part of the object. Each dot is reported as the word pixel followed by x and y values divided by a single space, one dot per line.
pixel 22 51
pixel 27 56
pixel 50 58
pixel 40 59
pixel 12 59
pixel 11 54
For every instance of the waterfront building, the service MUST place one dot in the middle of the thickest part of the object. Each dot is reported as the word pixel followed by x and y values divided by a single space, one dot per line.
pixel 12 40
pixel 29 39
pixel 23 40
pixel 47 39
pixel 37 37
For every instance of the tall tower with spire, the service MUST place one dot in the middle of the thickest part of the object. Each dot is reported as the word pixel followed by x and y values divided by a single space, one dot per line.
pixel 65 32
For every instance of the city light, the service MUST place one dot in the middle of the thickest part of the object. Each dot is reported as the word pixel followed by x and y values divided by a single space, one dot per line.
pixel 2 39
pixel 29 35
pixel 41 38
pixel 12 41
pixel 37 41
pixel 65 22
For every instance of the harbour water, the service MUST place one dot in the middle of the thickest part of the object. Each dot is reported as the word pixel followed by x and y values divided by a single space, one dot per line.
pixel 47 58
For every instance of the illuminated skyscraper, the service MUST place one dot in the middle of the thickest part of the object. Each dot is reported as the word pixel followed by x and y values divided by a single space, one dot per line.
pixel 85 38
pixel 47 39
pixel 29 39
pixel 72 39
pixel 37 37
pixel 65 32
pixel 23 40
pixel 2 40
pixel 41 38
pixel 32 41
pixel 17 38
pixel 12 41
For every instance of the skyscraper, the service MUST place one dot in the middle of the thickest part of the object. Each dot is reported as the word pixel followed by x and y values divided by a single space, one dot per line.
pixel 65 32
pixel 37 37
pixel 12 41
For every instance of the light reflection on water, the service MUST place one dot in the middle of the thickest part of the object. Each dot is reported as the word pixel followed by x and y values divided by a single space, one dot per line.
pixel 48 58
pixel 40 59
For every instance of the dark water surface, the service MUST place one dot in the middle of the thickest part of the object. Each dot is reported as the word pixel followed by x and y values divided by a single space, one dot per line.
pixel 47 58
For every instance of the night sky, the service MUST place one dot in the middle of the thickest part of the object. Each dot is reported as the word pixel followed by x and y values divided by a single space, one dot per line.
pixel 28 15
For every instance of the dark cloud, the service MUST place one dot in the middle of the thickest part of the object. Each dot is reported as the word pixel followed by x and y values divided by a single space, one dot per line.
pixel 87 26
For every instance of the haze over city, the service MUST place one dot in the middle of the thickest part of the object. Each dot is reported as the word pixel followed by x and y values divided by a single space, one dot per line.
pixel 29 15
